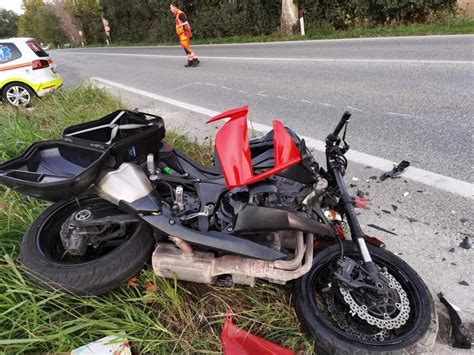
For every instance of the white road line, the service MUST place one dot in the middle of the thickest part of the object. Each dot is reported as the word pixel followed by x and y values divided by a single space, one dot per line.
pixel 354 108
pixel 180 87
pixel 226 88
pixel 259 94
pixel 326 104
pixel 306 101
pixel 282 59
pixel 429 178
pixel 282 97
pixel 242 91
pixel 399 114
pixel 359 39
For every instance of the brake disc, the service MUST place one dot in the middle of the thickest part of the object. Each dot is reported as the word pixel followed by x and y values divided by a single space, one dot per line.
pixel 340 317
pixel 388 322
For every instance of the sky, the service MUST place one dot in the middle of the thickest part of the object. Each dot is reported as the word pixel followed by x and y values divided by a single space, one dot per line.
pixel 14 5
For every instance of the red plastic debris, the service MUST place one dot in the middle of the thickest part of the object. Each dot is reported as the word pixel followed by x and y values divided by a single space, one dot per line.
pixel 376 242
pixel 361 202
pixel 236 341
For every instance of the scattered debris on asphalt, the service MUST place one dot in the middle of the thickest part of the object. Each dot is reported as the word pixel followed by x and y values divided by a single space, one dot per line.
pixel 451 250
pixel 361 202
pixel 463 283
pixel 108 345
pixel 405 194
pixel 373 177
pixel 463 220
pixel 396 171
pixel 466 243
pixel 387 212
pixel 355 179
pixel 381 229
pixel 236 341
pixel 395 208
pixel 461 341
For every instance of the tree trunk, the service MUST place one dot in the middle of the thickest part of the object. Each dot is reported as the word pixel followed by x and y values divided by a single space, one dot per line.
pixel 289 16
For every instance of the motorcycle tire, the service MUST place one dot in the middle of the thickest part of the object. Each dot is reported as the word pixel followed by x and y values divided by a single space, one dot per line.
pixel 331 339
pixel 94 276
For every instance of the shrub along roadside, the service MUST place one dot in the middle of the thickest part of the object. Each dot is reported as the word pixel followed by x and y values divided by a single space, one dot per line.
pixel 447 27
pixel 157 315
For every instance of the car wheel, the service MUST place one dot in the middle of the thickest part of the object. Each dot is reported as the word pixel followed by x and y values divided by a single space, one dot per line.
pixel 17 94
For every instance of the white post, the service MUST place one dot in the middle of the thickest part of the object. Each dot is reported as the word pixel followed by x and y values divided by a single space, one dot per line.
pixel 301 16
pixel 81 34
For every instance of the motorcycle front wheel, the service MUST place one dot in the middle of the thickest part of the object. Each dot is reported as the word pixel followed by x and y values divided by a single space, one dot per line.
pixel 100 269
pixel 335 317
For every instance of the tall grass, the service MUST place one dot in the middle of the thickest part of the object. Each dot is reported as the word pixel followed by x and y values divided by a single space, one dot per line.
pixel 157 315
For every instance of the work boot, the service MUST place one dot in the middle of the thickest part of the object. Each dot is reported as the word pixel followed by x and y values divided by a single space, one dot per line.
pixel 190 64
pixel 196 62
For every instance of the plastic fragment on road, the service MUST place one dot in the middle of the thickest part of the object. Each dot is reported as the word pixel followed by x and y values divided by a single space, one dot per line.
pixel 108 345
pixel 381 229
pixel 361 202
pixel 466 243
pixel 405 194
pixel 396 171
pixel 236 341
pixel 461 341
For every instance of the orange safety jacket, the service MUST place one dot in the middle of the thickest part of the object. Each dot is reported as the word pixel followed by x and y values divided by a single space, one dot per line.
pixel 180 25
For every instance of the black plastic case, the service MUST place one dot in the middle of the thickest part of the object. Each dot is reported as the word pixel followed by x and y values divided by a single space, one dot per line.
pixel 128 135
pixel 55 170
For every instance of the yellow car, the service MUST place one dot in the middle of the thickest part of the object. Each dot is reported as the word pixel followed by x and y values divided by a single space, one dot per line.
pixel 26 70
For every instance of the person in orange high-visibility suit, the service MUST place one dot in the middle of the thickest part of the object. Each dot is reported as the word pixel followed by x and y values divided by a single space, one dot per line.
pixel 183 30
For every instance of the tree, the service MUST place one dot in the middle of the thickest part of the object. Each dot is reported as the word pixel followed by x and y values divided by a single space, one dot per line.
pixel 8 23
pixel 66 21
pixel 87 16
pixel 289 16
pixel 40 22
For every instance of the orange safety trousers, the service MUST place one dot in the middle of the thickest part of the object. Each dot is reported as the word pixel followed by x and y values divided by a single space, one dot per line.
pixel 185 43
pixel 184 37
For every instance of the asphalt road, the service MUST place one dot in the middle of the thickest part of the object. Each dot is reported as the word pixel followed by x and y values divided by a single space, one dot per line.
pixel 411 98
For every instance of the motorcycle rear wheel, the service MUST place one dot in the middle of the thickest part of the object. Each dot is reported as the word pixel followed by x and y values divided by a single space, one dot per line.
pixel 48 265
pixel 419 333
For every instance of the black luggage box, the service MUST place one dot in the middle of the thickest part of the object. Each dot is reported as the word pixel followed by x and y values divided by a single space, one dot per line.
pixel 54 170
pixel 127 134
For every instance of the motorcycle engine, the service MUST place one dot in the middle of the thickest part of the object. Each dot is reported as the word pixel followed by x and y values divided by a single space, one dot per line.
pixel 276 192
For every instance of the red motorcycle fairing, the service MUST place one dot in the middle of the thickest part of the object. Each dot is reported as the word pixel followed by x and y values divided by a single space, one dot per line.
pixel 233 149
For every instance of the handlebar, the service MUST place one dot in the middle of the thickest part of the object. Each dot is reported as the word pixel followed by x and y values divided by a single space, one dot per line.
pixel 345 117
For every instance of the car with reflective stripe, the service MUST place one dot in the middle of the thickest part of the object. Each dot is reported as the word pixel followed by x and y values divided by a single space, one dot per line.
pixel 26 70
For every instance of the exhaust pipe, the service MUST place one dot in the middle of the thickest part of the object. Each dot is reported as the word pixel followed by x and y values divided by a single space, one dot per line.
pixel 182 263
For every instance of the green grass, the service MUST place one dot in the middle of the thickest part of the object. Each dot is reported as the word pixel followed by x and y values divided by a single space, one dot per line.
pixel 157 315
pixel 448 26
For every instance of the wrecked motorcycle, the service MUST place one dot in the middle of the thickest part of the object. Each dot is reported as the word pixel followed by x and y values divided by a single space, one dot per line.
pixel 266 210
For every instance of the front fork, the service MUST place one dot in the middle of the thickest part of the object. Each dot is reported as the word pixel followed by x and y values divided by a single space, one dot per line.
pixel 354 225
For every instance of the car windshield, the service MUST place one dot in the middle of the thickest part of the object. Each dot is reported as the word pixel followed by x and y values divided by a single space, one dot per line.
pixel 35 47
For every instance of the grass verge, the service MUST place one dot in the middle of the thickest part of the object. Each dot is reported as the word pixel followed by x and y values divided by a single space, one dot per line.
pixel 157 315
pixel 446 27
